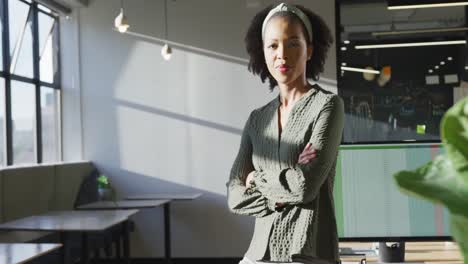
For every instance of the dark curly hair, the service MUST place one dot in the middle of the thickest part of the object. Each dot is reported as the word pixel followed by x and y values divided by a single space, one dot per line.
pixel 322 39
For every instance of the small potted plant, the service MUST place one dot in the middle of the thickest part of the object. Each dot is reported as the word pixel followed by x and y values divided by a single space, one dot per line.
pixel 105 191
pixel 445 180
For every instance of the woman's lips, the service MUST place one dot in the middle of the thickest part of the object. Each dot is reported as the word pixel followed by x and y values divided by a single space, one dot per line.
pixel 283 68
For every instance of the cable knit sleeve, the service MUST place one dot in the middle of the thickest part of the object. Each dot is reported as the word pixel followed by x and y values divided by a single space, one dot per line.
pixel 301 183
pixel 242 200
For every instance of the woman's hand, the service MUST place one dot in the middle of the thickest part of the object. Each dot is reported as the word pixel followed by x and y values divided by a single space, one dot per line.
pixel 307 154
pixel 305 157
pixel 249 179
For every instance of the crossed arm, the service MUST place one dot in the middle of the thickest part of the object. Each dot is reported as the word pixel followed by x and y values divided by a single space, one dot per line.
pixel 294 185
pixel 241 199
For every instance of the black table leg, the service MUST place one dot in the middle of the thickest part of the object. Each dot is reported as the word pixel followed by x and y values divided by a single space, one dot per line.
pixel 65 249
pixel 118 254
pixel 84 248
pixel 167 232
pixel 126 242
pixel 108 247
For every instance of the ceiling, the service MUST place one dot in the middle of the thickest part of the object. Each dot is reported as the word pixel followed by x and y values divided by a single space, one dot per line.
pixel 359 19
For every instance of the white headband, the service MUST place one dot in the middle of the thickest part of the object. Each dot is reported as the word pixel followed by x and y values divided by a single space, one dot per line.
pixel 289 8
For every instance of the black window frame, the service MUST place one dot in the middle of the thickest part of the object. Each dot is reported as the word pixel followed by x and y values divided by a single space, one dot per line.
pixel 36 80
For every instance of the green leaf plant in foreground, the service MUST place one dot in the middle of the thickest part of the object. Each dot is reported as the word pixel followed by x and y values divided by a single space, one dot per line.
pixel 445 179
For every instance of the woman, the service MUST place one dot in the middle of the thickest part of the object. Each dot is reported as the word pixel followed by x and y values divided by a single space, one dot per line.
pixel 283 174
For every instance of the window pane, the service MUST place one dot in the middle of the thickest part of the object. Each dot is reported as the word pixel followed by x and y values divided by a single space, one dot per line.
pixel 48 51
pixel 20 38
pixel 45 9
pixel 2 123
pixel 23 106
pixel 18 15
pixel 50 112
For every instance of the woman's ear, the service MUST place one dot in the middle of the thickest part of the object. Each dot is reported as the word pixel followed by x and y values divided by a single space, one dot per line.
pixel 310 51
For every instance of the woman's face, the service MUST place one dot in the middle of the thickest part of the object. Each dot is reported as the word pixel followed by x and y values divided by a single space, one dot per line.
pixel 286 50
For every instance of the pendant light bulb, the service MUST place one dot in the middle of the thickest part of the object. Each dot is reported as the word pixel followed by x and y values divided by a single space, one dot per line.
pixel 166 52
pixel 121 22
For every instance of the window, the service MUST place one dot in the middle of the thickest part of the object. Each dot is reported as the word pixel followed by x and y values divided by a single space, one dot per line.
pixel 30 128
pixel 2 122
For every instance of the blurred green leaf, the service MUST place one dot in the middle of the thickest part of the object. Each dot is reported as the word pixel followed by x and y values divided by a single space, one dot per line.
pixel 454 130
pixel 438 182
pixel 459 229
pixel 445 180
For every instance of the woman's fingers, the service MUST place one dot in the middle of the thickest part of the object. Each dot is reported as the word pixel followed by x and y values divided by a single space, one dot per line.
pixel 304 161
pixel 308 156
pixel 305 158
pixel 249 179
pixel 309 150
pixel 308 153
pixel 279 205
pixel 307 147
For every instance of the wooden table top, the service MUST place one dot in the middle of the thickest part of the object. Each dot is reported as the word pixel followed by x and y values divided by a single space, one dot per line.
pixel 168 195
pixel 426 252
pixel 70 221
pixel 14 253
pixel 124 204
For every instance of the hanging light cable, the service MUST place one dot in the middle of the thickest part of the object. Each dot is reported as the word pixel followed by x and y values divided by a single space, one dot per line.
pixel 121 22
pixel 166 51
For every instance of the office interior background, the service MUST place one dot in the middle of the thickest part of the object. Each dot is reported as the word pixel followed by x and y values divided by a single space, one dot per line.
pixel 74 88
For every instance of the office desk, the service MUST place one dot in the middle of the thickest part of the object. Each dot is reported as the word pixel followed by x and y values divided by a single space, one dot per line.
pixel 167 226
pixel 83 222
pixel 15 253
pixel 427 252
pixel 122 205
pixel 163 196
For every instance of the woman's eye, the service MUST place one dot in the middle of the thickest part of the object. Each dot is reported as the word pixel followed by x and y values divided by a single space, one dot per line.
pixel 291 44
pixel 294 44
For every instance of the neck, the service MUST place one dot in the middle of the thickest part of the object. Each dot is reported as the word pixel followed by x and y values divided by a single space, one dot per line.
pixel 292 92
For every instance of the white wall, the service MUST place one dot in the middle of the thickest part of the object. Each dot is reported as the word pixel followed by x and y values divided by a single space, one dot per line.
pixel 72 145
pixel 154 125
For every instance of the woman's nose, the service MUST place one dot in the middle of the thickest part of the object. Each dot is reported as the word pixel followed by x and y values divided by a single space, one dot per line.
pixel 281 52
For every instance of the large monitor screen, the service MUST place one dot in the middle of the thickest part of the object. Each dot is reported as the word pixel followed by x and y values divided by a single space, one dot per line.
pixel 368 203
